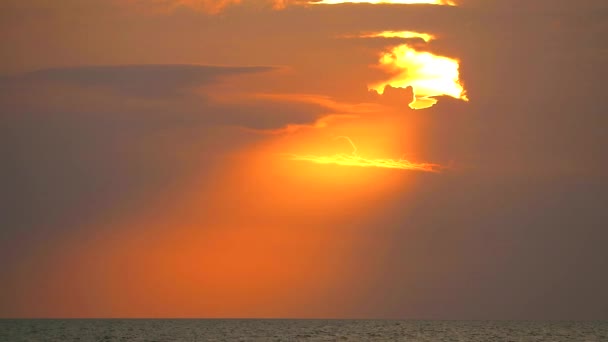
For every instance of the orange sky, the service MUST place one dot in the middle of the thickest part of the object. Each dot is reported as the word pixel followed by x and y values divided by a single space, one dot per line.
pixel 417 159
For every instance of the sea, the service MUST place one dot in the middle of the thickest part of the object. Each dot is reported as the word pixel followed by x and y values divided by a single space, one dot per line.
pixel 297 330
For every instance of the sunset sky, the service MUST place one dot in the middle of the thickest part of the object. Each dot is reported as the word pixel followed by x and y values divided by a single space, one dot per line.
pixel 291 158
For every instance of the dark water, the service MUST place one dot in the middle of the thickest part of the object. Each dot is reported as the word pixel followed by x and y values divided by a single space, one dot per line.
pixel 298 330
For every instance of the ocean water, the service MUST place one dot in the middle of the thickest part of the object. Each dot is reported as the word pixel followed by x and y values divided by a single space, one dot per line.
pixel 297 330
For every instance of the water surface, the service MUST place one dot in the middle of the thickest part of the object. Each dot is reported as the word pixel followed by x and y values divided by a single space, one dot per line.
pixel 297 330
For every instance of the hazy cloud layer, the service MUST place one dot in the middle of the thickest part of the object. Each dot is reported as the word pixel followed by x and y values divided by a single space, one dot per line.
pixel 516 229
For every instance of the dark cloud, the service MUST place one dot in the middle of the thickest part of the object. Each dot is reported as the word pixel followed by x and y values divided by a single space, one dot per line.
pixel 134 80
pixel 397 97
pixel 145 94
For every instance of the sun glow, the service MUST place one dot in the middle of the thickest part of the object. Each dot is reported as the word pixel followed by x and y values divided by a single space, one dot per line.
pixel 354 159
pixel 428 74
pixel 402 2
pixel 399 34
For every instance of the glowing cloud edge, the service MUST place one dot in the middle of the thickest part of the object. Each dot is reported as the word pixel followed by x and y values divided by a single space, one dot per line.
pixel 354 159
pixel 428 74
pixel 393 2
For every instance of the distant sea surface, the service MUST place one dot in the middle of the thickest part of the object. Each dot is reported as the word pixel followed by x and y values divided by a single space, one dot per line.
pixel 296 330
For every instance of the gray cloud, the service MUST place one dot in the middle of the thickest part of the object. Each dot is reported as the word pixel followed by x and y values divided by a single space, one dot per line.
pixel 145 94
pixel 141 80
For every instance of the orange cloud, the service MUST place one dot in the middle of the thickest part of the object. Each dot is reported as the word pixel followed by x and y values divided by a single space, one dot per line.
pixel 325 101
pixel 216 6
pixel 206 6
pixel 335 110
